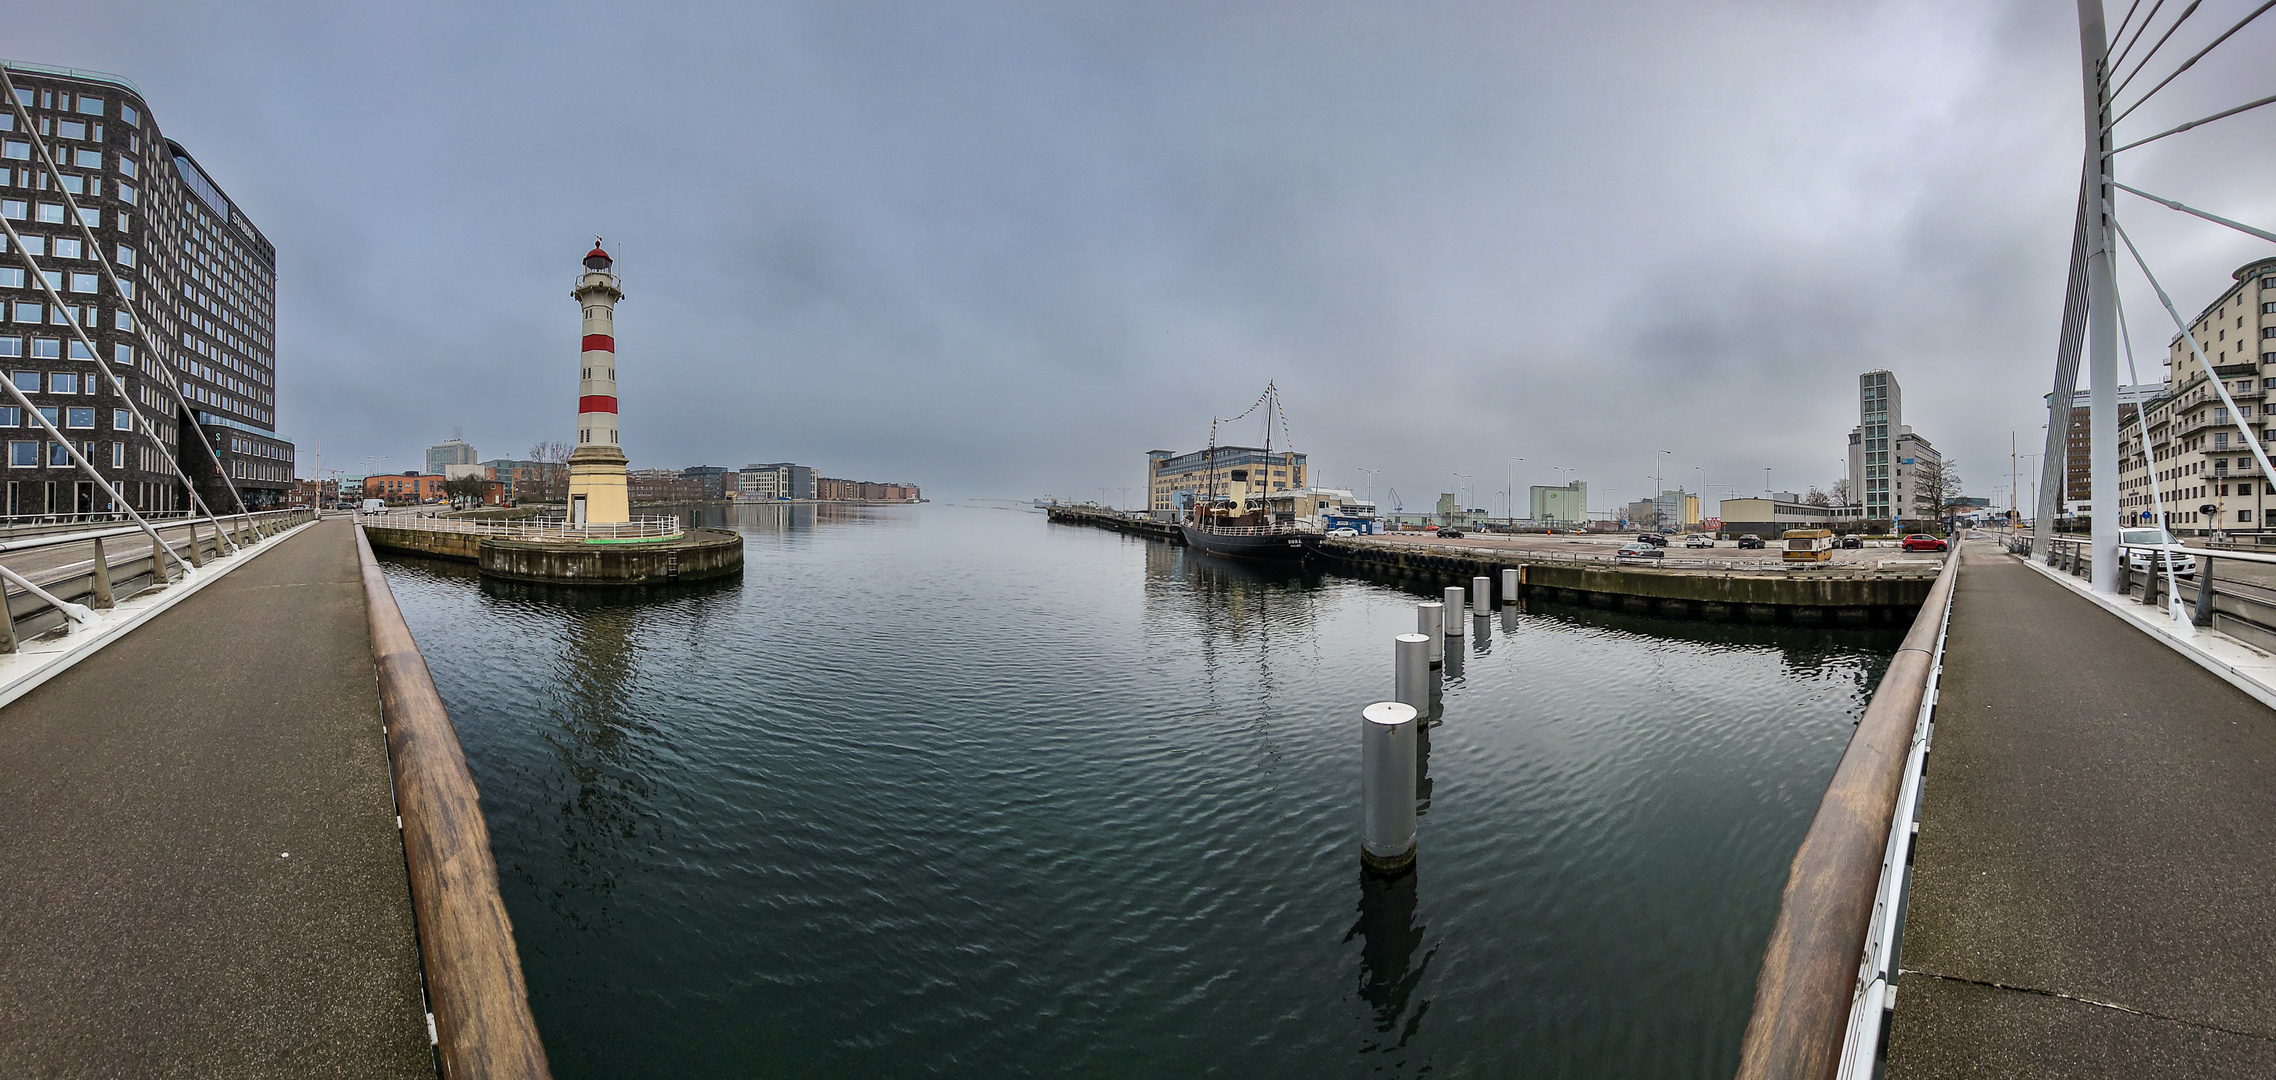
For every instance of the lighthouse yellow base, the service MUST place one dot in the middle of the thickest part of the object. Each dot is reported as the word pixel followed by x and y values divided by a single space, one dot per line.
pixel 597 493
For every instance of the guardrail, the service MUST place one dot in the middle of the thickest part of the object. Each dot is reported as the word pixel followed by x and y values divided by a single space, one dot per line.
pixel 482 1023
pixel 2241 607
pixel 648 528
pixel 42 599
pixel 1820 1000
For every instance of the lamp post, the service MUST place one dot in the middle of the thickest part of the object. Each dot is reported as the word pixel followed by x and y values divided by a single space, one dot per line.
pixel 1659 487
pixel 1370 482
pixel 1509 498
pixel 1458 478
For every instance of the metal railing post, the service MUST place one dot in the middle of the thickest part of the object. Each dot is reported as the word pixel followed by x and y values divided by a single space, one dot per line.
pixel 102 598
pixel 2203 616
pixel 197 556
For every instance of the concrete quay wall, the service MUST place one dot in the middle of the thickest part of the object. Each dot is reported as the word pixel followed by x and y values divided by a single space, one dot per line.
pixel 1808 597
pixel 702 553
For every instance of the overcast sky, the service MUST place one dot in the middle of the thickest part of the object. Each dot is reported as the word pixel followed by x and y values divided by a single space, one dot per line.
pixel 1005 249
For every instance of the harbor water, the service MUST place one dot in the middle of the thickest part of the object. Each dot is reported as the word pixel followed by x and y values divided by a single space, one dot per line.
pixel 949 791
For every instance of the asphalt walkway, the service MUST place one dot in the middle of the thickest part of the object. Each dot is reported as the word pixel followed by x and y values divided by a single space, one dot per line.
pixel 2094 889
pixel 202 871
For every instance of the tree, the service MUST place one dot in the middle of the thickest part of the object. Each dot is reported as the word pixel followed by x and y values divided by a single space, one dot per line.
pixel 466 490
pixel 1839 493
pixel 552 484
pixel 1817 498
pixel 1936 485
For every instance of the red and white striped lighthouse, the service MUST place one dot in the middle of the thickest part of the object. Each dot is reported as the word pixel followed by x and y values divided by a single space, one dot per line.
pixel 597 491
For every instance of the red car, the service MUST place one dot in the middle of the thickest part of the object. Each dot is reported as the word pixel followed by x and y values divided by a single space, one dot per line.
pixel 1923 542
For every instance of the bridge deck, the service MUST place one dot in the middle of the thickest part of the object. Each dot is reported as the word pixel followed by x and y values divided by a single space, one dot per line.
pixel 149 797
pixel 2095 878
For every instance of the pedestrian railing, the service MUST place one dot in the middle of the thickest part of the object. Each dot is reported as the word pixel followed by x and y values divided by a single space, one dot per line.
pixel 47 588
pixel 1826 989
pixel 639 528
pixel 2232 592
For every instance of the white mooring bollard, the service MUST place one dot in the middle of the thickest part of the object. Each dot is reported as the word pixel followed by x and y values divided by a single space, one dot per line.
pixel 1411 664
pixel 1454 620
pixel 1481 595
pixel 1509 585
pixel 1430 621
pixel 1387 786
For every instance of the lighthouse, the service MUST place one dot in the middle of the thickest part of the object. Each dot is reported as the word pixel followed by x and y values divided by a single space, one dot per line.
pixel 596 467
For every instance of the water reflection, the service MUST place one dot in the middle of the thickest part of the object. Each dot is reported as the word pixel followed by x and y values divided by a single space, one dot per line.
pixel 1388 970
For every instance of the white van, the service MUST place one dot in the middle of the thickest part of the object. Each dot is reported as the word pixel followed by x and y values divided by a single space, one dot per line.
pixel 375 506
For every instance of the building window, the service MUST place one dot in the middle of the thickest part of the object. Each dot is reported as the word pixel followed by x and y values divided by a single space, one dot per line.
pixel 58 455
pixel 122 420
pixel 51 213
pixel 62 382
pixel 23 455
pixel 68 248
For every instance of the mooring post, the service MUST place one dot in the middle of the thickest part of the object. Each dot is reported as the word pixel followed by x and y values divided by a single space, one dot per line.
pixel 1387 786
pixel 1454 619
pixel 1481 595
pixel 1509 585
pixel 1430 620
pixel 1411 664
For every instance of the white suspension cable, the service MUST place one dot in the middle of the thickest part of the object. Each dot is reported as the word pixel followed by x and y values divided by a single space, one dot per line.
pixel 2149 465
pixel 2185 65
pixel 2220 385
pixel 2214 218
pixel 2223 115
pixel 2145 60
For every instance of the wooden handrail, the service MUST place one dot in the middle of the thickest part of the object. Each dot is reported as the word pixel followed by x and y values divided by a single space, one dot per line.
pixel 483 1026
pixel 1810 968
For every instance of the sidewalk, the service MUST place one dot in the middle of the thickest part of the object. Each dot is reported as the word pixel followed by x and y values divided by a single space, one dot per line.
pixel 203 872
pixel 2097 852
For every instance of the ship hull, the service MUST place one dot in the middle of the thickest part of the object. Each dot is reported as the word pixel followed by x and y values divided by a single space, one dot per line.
pixel 1265 547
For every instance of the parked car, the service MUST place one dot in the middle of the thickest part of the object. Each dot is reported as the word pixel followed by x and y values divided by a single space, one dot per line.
pixel 1450 534
pixel 1923 542
pixel 1749 540
pixel 1345 530
pixel 1851 540
pixel 1654 539
pixel 1699 540
pixel 1639 550
pixel 2142 560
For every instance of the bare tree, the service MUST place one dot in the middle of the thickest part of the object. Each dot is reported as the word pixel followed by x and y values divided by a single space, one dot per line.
pixel 1817 498
pixel 466 490
pixel 552 484
pixel 1839 492
pixel 1936 484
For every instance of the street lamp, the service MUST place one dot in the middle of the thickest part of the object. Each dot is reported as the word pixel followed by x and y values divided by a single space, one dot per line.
pixel 1458 478
pixel 1370 482
pixel 1509 498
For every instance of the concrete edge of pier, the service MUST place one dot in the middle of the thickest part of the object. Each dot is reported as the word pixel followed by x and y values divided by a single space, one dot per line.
pixel 477 998
pixel 699 554
pixel 2240 665
pixel 36 661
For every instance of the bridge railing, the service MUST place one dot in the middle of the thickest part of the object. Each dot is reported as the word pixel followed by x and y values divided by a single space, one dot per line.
pixel 41 599
pixel 2232 592
pixel 1825 988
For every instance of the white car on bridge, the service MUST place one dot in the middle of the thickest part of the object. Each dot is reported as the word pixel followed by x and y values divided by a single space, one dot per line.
pixel 2149 549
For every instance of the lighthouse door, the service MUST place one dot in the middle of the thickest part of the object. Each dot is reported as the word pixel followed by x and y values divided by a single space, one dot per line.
pixel 576 509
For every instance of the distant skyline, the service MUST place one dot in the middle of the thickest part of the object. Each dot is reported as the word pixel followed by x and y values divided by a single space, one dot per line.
pixel 1001 250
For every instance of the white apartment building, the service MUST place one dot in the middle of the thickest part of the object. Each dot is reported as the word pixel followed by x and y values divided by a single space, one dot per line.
pixel 2201 453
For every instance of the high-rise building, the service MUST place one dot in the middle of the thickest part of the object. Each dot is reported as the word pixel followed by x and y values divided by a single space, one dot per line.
pixel 441 456
pixel 1888 463
pixel 2078 439
pixel 1567 505
pixel 189 328
pixel 2202 454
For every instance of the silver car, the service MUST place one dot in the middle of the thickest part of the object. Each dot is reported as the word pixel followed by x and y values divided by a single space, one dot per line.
pixel 2144 554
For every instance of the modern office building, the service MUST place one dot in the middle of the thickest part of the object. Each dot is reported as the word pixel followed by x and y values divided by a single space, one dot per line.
pixel 1769 518
pixel 1567 505
pixel 1174 479
pixel 1887 460
pixel 774 481
pixel 194 276
pixel 2201 453
pixel 441 456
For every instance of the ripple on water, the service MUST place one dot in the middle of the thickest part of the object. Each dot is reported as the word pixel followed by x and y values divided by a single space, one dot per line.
pixel 954 792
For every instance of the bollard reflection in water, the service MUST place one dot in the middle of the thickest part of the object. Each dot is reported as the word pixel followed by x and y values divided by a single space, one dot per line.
pixel 1388 970
pixel 1453 663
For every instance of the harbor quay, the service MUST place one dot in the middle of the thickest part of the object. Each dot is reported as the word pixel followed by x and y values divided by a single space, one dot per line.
pixel 1873 586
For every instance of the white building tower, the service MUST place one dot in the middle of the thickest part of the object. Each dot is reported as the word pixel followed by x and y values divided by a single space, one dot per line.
pixel 597 492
